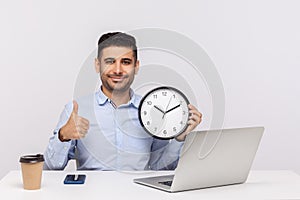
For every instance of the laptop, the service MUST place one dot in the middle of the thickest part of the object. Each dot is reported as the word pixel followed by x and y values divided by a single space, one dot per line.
pixel 211 158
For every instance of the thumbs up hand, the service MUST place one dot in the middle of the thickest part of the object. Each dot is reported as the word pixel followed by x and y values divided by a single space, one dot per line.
pixel 75 128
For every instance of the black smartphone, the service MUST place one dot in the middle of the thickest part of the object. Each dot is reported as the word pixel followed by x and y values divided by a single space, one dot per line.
pixel 75 179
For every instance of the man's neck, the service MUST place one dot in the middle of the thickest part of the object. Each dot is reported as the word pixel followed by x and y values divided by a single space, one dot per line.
pixel 118 98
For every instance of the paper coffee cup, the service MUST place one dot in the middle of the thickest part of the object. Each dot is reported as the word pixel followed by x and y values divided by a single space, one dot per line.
pixel 32 168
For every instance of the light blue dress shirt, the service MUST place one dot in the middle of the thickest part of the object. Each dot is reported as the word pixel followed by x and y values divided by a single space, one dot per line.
pixel 115 139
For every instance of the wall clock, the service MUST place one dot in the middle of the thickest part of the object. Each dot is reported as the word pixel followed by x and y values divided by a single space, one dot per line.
pixel 164 112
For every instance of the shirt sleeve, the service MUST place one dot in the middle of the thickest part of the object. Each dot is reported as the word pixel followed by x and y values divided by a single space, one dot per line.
pixel 58 153
pixel 164 154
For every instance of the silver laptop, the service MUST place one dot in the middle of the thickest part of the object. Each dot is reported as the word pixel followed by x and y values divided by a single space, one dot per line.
pixel 211 158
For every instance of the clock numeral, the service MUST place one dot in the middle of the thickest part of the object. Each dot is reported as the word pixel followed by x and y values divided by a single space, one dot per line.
pixel 181 102
pixel 148 123
pixel 165 132
pixel 149 102
pixel 145 112
pixel 183 112
pixel 155 96
pixel 164 93
pixel 181 122
pixel 174 129
pixel 155 129
pixel 174 96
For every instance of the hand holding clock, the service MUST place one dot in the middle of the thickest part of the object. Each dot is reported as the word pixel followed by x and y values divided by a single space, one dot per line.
pixel 195 118
pixel 175 122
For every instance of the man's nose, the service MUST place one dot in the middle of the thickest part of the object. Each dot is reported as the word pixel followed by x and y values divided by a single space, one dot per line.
pixel 118 68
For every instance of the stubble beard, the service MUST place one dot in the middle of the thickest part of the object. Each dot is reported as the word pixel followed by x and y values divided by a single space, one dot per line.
pixel 117 88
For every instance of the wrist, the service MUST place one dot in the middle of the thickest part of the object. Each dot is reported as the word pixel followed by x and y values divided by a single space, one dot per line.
pixel 180 138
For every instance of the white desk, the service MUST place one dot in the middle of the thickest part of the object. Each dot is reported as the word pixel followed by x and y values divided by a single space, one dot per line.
pixel 119 185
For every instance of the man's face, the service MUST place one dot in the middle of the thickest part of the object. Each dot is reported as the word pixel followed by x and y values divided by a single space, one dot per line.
pixel 117 68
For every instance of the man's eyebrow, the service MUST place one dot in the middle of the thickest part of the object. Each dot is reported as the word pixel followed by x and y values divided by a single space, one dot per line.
pixel 109 59
pixel 127 59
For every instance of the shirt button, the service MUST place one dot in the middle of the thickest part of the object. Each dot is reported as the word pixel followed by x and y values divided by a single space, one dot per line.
pixel 65 147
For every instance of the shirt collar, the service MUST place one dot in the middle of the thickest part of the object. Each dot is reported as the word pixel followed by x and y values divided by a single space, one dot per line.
pixel 102 98
pixel 134 99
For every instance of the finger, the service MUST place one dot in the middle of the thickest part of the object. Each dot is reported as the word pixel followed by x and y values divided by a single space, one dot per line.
pixel 84 121
pixel 192 107
pixel 191 125
pixel 75 107
pixel 81 133
pixel 83 127
pixel 195 112
pixel 76 135
pixel 195 118
pixel 193 121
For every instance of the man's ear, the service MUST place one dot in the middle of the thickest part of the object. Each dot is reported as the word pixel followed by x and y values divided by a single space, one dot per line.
pixel 137 67
pixel 97 65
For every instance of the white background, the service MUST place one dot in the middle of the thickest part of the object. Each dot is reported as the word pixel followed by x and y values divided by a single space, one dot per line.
pixel 254 44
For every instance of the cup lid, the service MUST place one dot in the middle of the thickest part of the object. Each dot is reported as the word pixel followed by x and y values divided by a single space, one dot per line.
pixel 32 158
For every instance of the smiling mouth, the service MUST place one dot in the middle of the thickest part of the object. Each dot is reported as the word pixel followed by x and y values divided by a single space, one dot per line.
pixel 117 78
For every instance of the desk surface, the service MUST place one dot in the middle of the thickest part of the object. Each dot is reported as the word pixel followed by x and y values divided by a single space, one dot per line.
pixel 119 185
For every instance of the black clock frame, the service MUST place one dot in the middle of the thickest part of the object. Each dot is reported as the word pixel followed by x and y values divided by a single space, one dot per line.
pixel 142 101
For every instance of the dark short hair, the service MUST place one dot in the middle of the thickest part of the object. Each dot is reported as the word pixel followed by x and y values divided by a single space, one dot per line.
pixel 118 39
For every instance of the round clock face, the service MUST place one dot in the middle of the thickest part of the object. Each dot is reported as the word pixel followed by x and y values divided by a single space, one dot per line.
pixel 164 112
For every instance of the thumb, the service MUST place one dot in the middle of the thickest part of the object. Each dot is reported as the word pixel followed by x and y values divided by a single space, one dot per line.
pixel 75 107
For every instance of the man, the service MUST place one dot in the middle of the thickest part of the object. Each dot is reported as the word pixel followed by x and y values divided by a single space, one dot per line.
pixel 101 131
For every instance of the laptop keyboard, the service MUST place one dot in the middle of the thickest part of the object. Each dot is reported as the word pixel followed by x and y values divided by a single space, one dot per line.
pixel 168 183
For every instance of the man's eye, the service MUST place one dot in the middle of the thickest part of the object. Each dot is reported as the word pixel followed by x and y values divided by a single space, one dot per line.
pixel 109 62
pixel 126 62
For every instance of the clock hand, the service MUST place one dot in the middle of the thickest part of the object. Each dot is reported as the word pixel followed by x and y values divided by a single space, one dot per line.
pixel 167 107
pixel 173 108
pixel 159 109
pixel 169 103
